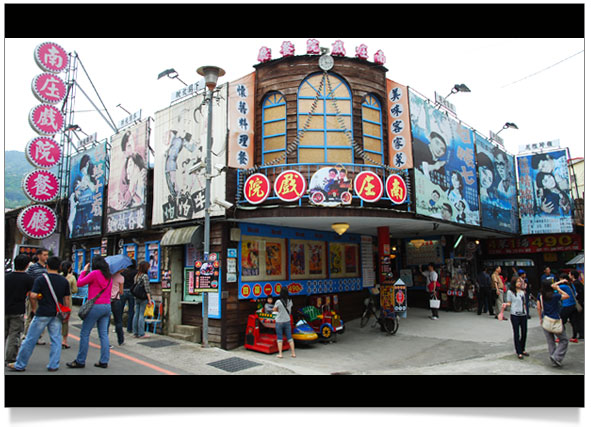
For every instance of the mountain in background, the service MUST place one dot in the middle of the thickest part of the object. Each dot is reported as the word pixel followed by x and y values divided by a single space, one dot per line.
pixel 16 166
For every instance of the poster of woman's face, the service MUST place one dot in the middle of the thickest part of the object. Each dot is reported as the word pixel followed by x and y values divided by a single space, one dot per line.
pixel 126 208
pixel 87 180
pixel 496 172
pixel 445 165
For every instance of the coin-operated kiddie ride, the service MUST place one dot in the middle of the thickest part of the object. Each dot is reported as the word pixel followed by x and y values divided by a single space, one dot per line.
pixel 322 315
pixel 261 336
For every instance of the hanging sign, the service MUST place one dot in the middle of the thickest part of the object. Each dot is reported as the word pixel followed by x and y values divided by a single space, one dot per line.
pixel 399 128
pixel 396 189
pixel 49 88
pixel 368 186
pixel 290 186
pixel 41 185
pixel 257 188
pixel 43 152
pixel 51 57
pixel 45 119
pixel 37 221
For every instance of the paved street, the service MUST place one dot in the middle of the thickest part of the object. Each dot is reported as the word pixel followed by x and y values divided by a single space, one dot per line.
pixel 458 343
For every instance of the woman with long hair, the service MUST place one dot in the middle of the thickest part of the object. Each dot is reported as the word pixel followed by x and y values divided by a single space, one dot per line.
pixel 141 279
pixel 517 301
pixel 66 271
pixel 549 305
pixel 99 284
pixel 283 322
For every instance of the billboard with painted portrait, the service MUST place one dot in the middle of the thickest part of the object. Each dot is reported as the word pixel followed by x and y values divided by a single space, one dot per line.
pixel 544 197
pixel 126 201
pixel 180 133
pixel 444 162
pixel 87 181
pixel 498 187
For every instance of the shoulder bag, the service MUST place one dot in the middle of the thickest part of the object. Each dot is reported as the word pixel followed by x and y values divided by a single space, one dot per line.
pixel 138 289
pixel 554 326
pixel 63 312
pixel 87 306
pixel 577 303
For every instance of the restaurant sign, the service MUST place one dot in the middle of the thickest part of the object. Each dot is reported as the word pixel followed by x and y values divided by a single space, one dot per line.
pixel 535 244
pixel 37 221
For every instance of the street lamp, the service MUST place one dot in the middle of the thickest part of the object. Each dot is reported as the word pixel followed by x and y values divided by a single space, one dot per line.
pixel 507 126
pixel 211 74
pixel 171 73
pixel 461 87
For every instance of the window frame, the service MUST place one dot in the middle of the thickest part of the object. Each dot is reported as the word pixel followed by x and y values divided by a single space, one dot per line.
pixel 273 100
pixel 376 106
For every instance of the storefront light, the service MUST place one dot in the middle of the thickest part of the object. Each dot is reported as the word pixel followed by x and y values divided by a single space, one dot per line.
pixel 340 227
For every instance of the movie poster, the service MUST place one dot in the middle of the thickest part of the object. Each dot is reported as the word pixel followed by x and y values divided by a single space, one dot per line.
pixel 87 181
pixel 544 197
pixel 126 206
pixel 444 165
pixel 180 134
pixel 498 187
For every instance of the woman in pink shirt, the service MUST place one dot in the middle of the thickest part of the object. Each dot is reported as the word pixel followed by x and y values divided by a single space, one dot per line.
pixel 99 283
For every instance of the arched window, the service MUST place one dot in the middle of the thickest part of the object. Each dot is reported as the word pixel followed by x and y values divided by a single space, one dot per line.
pixel 371 113
pixel 324 139
pixel 274 126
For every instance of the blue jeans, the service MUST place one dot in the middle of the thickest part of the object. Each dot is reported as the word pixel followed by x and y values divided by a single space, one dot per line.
pixel 128 296
pixel 283 328
pixel 36 328
pixel 100 315
pixel 139 324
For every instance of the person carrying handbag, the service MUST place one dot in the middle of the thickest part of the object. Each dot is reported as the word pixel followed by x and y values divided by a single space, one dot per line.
pixel 99 284
pixel 549 311
pixel 432 287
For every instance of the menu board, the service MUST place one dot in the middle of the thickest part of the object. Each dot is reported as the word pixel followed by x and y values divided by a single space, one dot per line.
pixel 207 274
pixel 423 252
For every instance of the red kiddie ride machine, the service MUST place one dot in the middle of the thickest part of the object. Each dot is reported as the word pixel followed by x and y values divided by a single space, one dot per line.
pixel 260 333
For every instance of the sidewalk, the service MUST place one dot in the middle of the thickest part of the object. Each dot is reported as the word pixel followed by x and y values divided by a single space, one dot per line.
pixel 457 343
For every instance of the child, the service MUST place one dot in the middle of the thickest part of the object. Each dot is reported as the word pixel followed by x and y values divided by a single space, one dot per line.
pixel 269 305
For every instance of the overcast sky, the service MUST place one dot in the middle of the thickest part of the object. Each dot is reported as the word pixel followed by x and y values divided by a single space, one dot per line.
pixel 512 80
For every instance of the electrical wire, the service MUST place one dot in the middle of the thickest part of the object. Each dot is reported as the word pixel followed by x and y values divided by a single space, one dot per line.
pixel 547 68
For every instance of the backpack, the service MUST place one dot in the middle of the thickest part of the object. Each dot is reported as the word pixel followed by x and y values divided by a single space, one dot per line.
pixel 138 289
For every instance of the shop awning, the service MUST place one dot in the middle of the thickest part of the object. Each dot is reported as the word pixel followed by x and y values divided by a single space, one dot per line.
pixel 579 259
pixel 183 236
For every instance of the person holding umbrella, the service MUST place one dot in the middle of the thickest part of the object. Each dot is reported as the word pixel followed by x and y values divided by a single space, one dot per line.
pixel 117 264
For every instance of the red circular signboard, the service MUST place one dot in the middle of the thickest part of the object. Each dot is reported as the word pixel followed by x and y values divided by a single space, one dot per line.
pixel 37 221
pixel 48 87
pixel 51 57
pixel 396 189
pixel 368 186
pixel 43 152
pixel 290 186
pixel 46 119
pixel 41 185
pixel 257 188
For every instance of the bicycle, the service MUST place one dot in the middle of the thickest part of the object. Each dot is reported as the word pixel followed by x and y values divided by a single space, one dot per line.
pixel 388 321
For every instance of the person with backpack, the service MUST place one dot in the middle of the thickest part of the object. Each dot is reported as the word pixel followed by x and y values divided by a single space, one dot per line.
pixel 99 284
pixel 283 322
pixel 141 292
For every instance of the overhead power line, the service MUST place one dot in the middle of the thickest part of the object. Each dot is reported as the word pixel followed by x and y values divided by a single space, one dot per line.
pixel 547 68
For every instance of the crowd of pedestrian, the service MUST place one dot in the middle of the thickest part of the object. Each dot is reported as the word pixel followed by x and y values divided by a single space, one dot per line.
pixel 33 291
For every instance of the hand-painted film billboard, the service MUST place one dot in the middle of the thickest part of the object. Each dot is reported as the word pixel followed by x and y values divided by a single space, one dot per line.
pixel 498 188
pixel 444 162
pixel 126 207
pixel 544 197
pixel 87 180
pixel 180 133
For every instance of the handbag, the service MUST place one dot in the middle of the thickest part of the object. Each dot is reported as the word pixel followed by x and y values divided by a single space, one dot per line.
pixel 87 306
pixel 63 312
pixel 138 289
pixel 434 302
pixel 149 311
pixel 554 326
pixel 577 303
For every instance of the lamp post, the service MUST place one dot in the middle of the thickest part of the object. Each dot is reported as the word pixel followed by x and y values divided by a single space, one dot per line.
pixel 171 73
pixel 461 87
pixel 495 136
pixel 211 74
pixel 507 126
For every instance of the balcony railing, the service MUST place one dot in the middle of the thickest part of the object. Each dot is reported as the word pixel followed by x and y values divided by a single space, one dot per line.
pixel 308 170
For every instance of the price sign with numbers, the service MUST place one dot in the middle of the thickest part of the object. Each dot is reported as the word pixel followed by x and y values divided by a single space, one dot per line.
pixel 535 244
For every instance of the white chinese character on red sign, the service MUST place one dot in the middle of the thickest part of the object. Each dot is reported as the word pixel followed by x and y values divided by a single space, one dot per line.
pixel 338 48
pixel 287 49
pixel 39 221
pixel 312 47
pixel 361 52
pixel 41 185
pixel 264 54
pixel 379 57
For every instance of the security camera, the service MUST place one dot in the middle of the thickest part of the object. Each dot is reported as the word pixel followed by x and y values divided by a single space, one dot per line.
pixel 223 203
pixel 197 167
pixel 220 167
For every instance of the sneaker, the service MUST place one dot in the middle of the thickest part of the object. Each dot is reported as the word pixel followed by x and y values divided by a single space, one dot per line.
pixel 555 362
pixel 573 340
pixel 75 364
